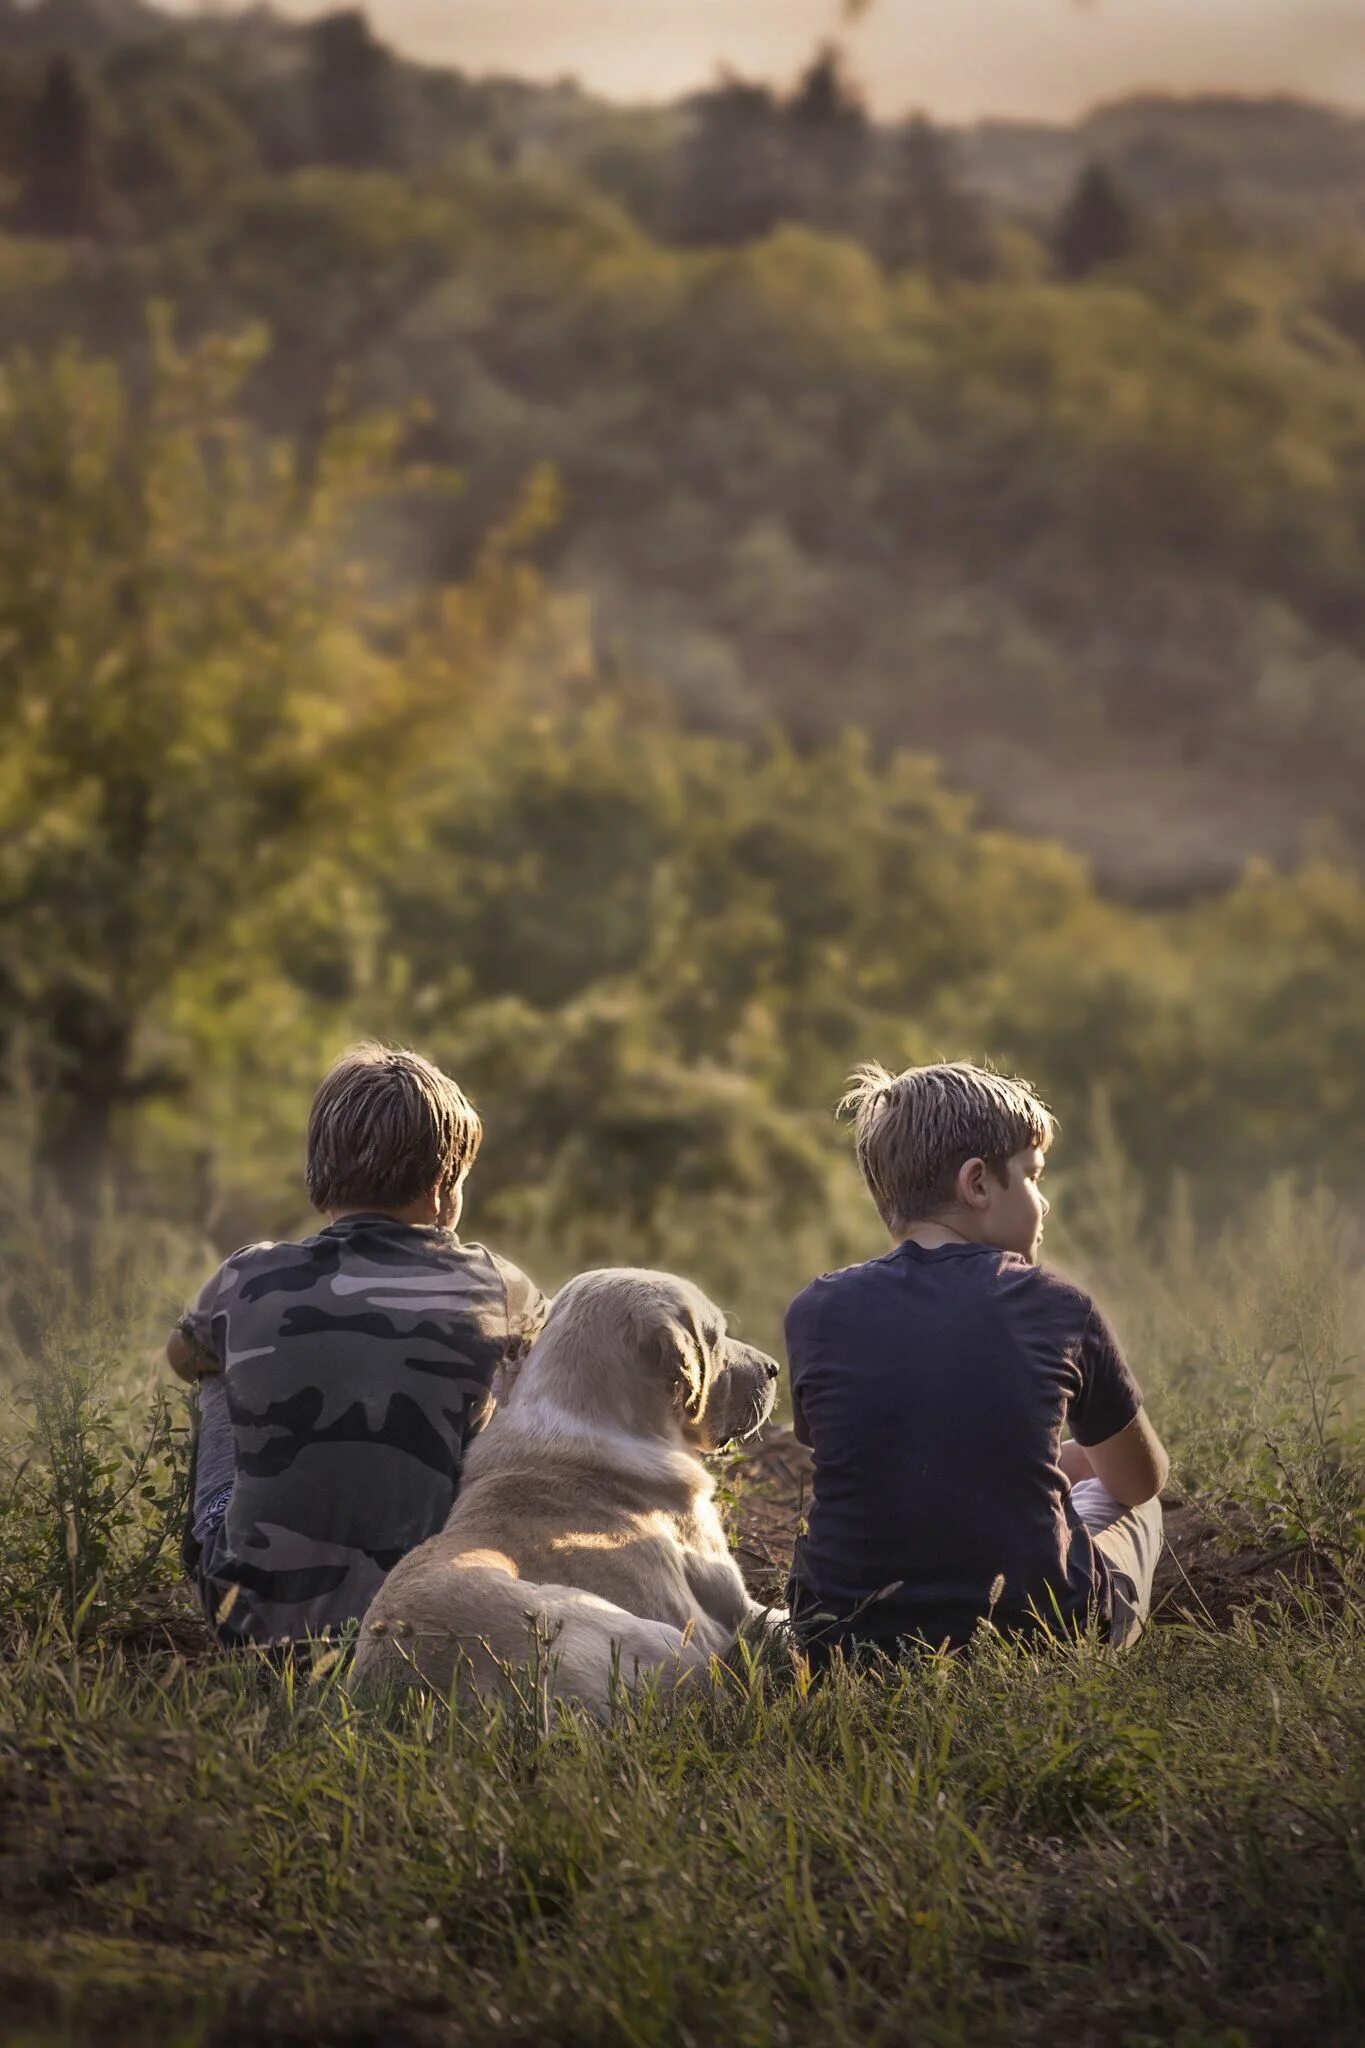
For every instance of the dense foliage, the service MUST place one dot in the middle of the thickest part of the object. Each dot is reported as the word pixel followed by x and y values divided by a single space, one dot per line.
pixel 1030 466
pixel 256 801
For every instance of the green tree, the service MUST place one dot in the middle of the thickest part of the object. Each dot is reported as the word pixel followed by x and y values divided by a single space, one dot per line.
pixel 733 175
pixel 179 149
pixel 929 221
pixel 353 91
pixel 332 262
pixel 830 140
pixel 1097 225
pixel 194 708
pixel 63 190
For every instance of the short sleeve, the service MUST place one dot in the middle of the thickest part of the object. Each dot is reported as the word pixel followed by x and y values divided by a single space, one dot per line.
pixel 527 1307
pixel 1109 1396
pixel 800 1427
pixel 797 1328
pixel 800 1326
pixel 197 1320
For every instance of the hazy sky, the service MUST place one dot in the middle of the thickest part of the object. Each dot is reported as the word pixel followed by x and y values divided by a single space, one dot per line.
pixel 957 58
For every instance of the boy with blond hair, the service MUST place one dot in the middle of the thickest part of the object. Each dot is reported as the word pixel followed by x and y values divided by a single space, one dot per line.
pixel 933 1386
pixel 341 1378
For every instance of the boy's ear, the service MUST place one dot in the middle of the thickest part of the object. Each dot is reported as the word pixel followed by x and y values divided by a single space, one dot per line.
pixel 972 1190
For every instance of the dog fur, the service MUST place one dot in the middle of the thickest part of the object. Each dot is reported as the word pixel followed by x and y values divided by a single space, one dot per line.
pixel 585 1535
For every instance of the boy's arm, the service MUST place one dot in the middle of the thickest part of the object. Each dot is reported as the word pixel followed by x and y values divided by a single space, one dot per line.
pixel 1133 1465
pixel 797 1338
pixel 1113 1433
pixel 527 1307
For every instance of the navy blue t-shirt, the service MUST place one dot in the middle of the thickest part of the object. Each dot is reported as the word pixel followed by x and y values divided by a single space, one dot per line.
pixel 932 1388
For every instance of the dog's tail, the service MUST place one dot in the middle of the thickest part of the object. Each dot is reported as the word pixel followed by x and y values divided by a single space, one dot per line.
pixel 478 1624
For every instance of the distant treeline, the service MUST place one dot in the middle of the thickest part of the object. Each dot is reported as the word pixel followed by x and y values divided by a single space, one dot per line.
pixel 724 164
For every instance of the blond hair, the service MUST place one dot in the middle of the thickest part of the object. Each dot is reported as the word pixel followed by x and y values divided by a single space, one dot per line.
pixel 386 1128
pixel 916 1130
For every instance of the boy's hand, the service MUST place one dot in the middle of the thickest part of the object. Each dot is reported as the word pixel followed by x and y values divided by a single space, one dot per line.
pixel 185 1357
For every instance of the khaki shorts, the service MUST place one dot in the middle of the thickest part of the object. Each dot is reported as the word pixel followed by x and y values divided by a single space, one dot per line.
pixel 1130 1539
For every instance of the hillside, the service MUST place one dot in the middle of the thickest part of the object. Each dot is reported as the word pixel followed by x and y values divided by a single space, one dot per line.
pixel 848 423
pixel 1274 161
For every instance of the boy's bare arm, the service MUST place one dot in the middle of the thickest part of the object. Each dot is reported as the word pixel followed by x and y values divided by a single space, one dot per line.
pixel 1133 1465
pixel 185 1357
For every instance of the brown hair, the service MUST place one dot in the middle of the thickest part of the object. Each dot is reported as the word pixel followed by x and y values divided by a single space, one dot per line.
pixel 387 1127
pixel 916 1130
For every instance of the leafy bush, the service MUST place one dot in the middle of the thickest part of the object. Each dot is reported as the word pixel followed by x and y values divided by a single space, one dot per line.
pixel 93 1490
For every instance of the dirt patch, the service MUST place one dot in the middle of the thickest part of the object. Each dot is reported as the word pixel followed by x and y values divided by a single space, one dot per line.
pixel 1214 1563
pixel 769 1488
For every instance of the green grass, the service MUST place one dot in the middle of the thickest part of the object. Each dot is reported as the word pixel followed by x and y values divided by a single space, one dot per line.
pixel 1009 1848
pixel 1162 1849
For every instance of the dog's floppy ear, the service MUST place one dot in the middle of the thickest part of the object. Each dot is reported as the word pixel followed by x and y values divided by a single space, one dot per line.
pixel 687 1359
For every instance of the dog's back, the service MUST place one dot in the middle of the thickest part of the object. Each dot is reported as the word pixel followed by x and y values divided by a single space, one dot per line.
pixel 477 1620
pixel 564 1560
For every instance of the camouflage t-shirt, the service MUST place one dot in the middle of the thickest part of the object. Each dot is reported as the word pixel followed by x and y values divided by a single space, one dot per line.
pixel 356 1366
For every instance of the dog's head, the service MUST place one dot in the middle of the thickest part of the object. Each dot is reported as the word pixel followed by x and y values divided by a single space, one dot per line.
pixel 648 1353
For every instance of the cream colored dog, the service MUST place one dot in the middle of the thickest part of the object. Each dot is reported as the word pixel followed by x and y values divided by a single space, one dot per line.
pixel 584 1532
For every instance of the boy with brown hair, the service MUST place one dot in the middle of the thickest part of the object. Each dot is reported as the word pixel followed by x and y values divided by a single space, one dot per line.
pixel 341 1378
pixel 933 1386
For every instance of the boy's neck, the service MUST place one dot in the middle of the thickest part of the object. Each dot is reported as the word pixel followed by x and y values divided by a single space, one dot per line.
pixel 417 1215
pixel 441 1209
pixel 930 1237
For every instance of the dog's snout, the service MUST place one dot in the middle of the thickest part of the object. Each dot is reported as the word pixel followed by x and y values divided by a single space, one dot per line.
pixel 771 1369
